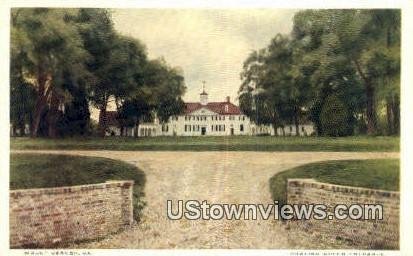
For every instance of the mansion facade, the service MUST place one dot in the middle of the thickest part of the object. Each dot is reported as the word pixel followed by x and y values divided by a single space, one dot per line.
pixel 204 118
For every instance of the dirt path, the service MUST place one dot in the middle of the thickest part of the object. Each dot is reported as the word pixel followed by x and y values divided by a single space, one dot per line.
pixel 218 177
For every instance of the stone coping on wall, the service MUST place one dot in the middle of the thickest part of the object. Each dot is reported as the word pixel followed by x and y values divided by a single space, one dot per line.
pixel 66 189
pixel 312 183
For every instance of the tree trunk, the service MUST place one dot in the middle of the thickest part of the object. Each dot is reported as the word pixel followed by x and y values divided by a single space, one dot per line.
pixel 13 130
pixel 396 114
pixel 389 116
pixel 102 120
pixel 22 127
pixel 370 104
pixel 370 110
pixel 41 101
pixel 274 126
pixel 297 124
pixel 136 129
pixel 52 115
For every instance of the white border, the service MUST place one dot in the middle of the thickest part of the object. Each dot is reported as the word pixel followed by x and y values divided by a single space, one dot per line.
pixel 296 4
pixel 406 246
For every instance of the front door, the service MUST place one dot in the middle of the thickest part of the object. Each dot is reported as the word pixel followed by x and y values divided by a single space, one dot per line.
pixel 203 130
pixel 232 131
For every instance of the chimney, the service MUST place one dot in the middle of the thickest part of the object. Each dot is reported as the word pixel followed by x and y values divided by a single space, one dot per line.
pixel 228 99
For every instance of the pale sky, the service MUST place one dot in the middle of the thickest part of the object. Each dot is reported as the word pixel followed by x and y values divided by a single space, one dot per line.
pixel 208 44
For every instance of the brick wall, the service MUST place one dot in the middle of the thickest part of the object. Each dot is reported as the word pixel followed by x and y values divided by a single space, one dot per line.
pixel 52 217
pixel 363 234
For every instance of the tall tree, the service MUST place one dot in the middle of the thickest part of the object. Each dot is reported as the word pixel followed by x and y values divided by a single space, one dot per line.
pixel 75 116
pixel 160 94
pixel 273 91
pixel 49 44
pixel 117 64
pixel 384 29
pixel 350 37
pixel 22 95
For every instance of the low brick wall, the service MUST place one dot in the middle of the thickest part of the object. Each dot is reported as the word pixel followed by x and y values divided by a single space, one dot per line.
pixel 363 234
pixel 51 217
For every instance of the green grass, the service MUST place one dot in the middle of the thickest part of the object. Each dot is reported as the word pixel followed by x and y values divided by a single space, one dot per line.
pixel 228 143
pixel 42 171
pixel 375 174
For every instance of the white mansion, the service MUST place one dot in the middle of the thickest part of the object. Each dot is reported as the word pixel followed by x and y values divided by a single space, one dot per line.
pixel 205 118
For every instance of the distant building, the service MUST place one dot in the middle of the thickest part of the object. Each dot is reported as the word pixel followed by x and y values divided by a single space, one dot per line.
pixel 113 127
pixel 203 118
pixel 19 131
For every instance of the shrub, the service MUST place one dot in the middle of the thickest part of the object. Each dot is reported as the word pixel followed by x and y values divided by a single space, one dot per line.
pixel 334 117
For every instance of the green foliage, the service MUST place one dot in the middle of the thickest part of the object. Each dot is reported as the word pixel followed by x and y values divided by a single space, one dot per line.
pixel 75 120
pixel 272 91
pixel 42 171
pixel 334 117
pixel 22 95
pixel 73 57
pixel 353 54
pixel 375 174
pixel 160 94
pixel 46 45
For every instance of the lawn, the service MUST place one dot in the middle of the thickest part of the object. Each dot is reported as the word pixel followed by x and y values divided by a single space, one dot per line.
pixel 375 174
pixel 41 171
pixel 228 143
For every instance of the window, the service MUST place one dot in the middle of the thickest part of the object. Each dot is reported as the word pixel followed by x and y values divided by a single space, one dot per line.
pixel 212 128
pixel 241 128
pixel 226 108
pixel 186 127
pixel 291 128
pixel 216 128
pixel 223 127
pixel 223 118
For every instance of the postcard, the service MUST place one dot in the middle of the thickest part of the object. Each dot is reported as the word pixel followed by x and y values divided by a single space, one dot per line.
pixel 205 128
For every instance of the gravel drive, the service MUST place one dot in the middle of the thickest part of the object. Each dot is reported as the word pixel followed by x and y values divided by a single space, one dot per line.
pixel 218 177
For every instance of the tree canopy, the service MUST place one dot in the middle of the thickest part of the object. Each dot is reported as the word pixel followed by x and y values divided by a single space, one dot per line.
pixel 63 60
pixel 353 55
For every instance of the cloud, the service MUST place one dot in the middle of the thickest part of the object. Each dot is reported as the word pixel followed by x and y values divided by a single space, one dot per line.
pixel 208 44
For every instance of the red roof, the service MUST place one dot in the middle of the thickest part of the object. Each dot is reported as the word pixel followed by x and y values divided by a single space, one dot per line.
pixel 217 107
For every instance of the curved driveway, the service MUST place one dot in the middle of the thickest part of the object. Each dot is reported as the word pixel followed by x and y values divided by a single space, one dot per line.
pixel 218 177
